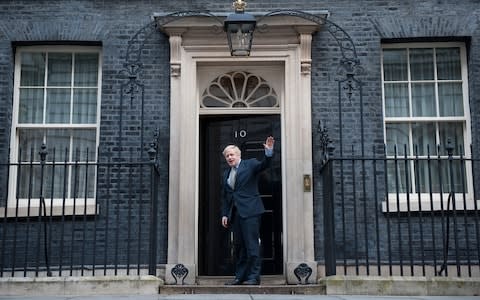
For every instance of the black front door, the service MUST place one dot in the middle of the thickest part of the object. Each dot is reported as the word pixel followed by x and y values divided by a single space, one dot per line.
pixel 215 242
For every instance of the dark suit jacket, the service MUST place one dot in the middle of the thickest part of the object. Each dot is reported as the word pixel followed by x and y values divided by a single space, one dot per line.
pixel 245 196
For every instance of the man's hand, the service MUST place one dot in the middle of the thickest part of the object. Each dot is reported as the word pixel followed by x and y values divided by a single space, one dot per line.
pixel 225 222
pixel 269 143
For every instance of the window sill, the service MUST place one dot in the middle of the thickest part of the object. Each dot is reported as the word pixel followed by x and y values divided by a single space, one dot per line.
pixel 56 211
pixel 428 203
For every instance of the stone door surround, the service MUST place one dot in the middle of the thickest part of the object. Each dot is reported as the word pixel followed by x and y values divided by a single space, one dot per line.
pixel 284 44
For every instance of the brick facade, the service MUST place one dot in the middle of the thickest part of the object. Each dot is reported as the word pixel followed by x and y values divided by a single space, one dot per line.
pixel 112 24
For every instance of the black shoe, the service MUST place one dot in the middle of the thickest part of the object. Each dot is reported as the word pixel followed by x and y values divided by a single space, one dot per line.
pixel 251 282
pixel 234 282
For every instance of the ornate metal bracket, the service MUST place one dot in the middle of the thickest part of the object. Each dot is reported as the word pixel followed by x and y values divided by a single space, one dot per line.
pixel 179 272
pixel 133 86
pixel 152 150
pixel 349 62
pixel 326 144
pixel 303 273
pixel 449 148
pixel 133 61
pixel 351 84
pixel 43 153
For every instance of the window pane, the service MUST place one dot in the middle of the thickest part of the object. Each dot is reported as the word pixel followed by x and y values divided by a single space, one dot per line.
pixel 452 172
pixel 397 137
pixel 454 132
pixel 33 69
pixel 85 106
pixel 29 182
pixel 58 106
pixel 421 64
pixel 397 176
pixel 424 138
pixel 59 69
pixel 435 176
pixel 58 144
pixel 265 101
pixel 396 100
pixel 29 143
pixel 395 64
pixel 216 96
pixel 423 99
pixel 438 170
pixel 428 178
pixel 83 181
pixel 84 140
pixel 86 69
pixel 448 64
pixel 450 97
pixel 56 181
pixel 261 95
pixel 30 106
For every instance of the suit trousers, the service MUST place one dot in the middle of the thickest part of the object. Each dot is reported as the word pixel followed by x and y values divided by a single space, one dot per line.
pixel 246 234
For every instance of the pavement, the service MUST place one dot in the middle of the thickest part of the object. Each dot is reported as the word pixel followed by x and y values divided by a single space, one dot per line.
pixel 236 297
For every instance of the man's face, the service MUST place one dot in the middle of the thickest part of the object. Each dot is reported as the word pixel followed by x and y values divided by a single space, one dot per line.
pixel 232 157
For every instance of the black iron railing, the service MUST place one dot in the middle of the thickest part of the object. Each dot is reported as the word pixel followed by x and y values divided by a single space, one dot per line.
pixel 65 218
pixel 390 214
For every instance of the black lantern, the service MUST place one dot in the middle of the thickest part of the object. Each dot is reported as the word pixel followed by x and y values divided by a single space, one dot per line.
pixel 239 28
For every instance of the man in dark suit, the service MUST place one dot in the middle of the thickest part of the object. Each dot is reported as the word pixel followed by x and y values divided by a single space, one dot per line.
pixel 242 208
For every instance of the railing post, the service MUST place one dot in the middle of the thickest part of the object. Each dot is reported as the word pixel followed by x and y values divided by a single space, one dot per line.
pixel 152 251
pixel 328 213
pixel 42 208
pixel 450 148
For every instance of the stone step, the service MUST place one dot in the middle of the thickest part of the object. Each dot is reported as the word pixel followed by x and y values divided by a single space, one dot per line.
pixel 310 289
pixel 271 284
pixel 220 280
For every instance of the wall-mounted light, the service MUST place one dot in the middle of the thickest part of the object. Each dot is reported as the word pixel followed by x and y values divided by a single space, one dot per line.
pixel 239 28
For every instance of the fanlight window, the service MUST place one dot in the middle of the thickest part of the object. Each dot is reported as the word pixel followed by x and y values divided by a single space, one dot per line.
pixel 239 90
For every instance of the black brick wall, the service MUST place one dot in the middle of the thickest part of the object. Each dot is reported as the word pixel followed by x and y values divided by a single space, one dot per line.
pixel 113 24
pixel 368 23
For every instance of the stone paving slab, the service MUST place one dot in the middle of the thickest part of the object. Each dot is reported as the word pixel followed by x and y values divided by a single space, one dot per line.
pixel 237 297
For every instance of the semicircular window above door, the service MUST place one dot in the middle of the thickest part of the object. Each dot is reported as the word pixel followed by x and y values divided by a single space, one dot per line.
pixel 239 90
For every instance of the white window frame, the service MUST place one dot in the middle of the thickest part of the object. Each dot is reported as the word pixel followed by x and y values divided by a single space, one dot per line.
pixel 53 206
pixel 410 201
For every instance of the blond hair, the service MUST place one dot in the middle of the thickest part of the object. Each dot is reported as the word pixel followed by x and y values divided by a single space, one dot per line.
pixel 232 147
